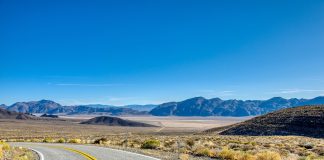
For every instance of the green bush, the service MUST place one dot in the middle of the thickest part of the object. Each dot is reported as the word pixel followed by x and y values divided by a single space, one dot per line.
pixel 75 141
pixel 203 151
pixel 48 140
pixel 61 140
pixel 190 142
pixel 100 141
pixel 268 155
pixel 151 144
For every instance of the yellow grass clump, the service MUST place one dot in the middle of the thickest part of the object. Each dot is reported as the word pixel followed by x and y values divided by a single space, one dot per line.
pixel 268 155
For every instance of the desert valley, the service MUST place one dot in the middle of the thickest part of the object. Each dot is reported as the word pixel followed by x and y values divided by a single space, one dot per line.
pixel 287 133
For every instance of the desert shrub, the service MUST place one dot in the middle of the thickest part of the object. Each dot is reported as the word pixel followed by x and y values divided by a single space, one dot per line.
pixel 234 146
pixel 1 152
pixel 226 153
pixel 245 156
pixel 319 150
pixel 253 143
pixel 307 145
pixel 151 144
pixel 61 140
pixel 268 155
pixel 48 140
pixel 203 151
pixel 169 143
pixel 183 150
pixel 100 141
pixel 190 142
pixel 184 156
pixel 75 141
pixel 4 146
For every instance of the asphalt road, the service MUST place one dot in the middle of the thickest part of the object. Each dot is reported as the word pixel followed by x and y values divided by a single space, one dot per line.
pixel 49 151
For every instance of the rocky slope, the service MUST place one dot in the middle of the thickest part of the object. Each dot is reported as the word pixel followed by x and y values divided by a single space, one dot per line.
pixel 302 121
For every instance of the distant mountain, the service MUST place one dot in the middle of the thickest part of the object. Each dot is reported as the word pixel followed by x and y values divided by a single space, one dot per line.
pixel 147 107
pixel 42 106
pixel 3 106
pixel 85 109
pixel 200 106
pixel 5 114
pixel 301 121
pixel 114 121
pixel 51 107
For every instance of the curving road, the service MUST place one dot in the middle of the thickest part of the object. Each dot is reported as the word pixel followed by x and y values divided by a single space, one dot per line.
pixel 49 151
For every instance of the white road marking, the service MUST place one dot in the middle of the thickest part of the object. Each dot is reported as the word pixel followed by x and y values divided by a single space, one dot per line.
pixel 41 156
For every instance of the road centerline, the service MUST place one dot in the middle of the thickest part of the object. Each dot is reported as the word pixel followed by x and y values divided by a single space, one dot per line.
pixel 85 155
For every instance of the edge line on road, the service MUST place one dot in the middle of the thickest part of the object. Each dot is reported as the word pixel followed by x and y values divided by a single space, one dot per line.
pixel 40 154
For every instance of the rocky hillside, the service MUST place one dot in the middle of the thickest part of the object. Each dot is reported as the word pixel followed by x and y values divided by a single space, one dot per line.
pixel 302 121
pixel 114 121
pixel 200 106
pixel 5 114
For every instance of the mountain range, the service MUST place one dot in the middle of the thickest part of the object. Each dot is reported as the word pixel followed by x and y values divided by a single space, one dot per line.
pixel 198 106
pixel 51 107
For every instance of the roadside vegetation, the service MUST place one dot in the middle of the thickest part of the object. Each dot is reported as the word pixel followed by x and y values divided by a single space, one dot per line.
pixel 15 153
pixel 210 146
pixel 170 143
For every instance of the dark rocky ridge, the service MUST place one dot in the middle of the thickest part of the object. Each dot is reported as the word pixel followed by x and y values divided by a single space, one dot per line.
pixel 114 121
pixel 49 116
pixel 301 121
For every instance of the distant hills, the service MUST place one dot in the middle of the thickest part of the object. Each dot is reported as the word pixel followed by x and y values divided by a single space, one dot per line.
pixel 51 107
pixel 5 114
pixel 115 121
pixel 302 121
pixel 198 106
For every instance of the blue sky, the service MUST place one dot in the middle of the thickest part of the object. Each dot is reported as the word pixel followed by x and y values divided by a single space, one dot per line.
pixel 127 52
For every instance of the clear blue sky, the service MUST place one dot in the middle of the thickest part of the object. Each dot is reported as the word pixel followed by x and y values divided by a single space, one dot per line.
pixel 126 52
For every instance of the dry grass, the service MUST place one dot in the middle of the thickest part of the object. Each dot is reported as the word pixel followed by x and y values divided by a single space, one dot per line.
pixel 15 153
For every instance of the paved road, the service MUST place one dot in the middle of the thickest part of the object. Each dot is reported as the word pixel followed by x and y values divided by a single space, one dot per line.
pixel 49 151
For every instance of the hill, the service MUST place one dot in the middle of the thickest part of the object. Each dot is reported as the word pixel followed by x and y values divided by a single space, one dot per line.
pixel 302 121
pixel 49 116
pixel 199 106
pixel 5 114
pixel 114 121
